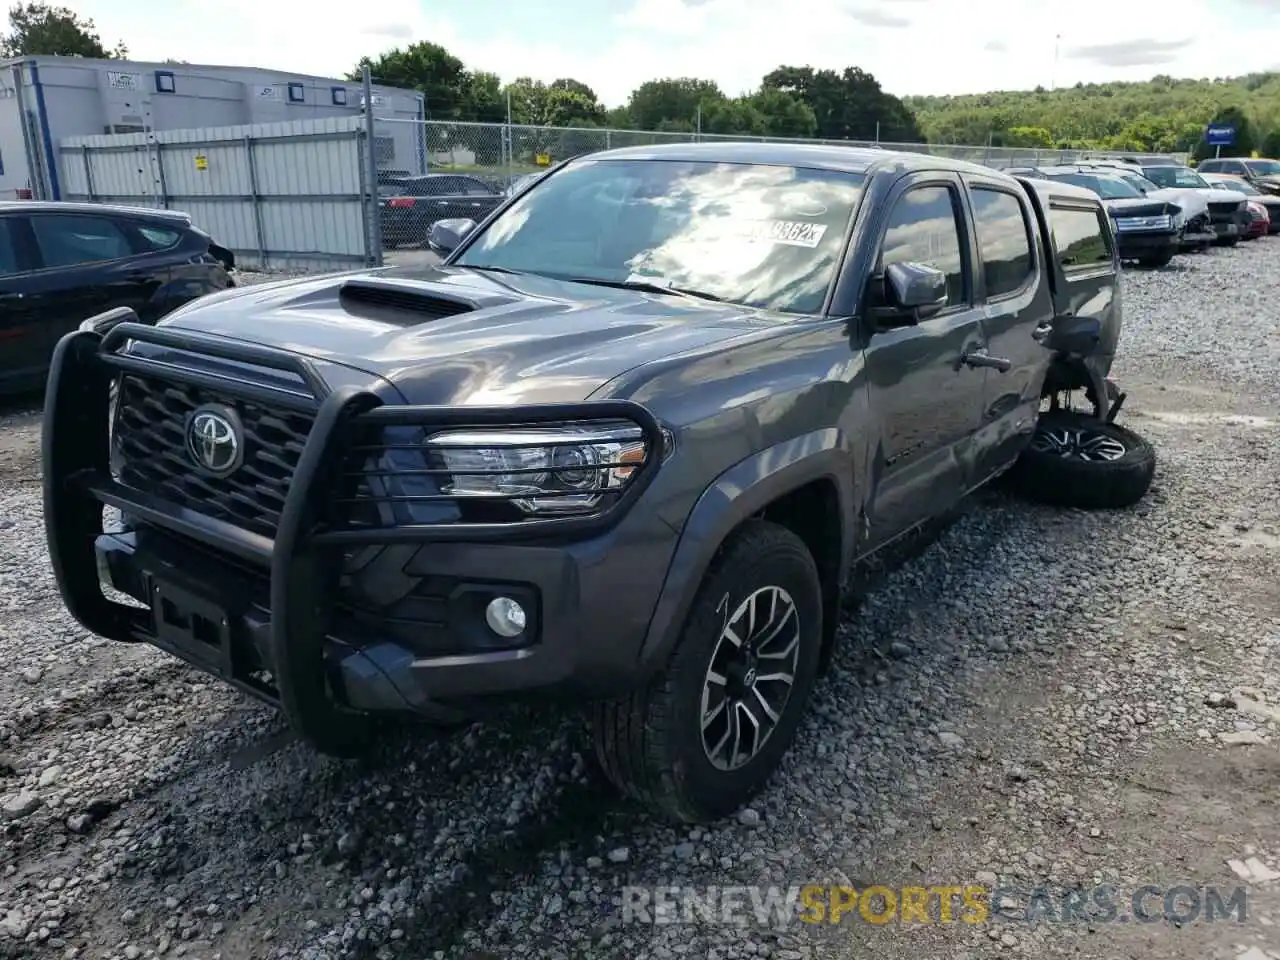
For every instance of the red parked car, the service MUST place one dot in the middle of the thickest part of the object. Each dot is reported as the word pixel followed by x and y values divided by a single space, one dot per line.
pixel 1259 221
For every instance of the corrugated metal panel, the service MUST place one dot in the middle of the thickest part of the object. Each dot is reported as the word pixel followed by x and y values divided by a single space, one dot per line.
pixel 281 195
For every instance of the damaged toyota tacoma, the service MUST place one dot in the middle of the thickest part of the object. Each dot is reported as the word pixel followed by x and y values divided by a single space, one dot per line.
pixel 622 446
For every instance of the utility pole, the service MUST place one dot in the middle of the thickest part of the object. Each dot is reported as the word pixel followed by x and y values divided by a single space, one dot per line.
pixel 698 123
pixel 877 131
pixel 1053 77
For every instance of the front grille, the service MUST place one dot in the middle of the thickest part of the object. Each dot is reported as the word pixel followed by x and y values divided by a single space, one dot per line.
pixel 151 450
pixel 1223 212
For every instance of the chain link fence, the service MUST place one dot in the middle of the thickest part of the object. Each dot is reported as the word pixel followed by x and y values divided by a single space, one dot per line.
pixel 473 166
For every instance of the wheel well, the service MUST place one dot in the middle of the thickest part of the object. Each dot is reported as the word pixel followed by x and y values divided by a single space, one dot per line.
pixel 812 512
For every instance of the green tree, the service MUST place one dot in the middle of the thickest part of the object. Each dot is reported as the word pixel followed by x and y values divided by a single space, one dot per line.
pixel 849 105
pixel 786 115
pixel 565 103
pixel 671 100
pixel 1270 145
pixel 428 67
pixel 37 29
pixel 483 99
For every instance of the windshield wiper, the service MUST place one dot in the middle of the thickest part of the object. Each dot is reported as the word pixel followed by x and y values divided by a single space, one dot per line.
pixel 648 286
pixel 489 269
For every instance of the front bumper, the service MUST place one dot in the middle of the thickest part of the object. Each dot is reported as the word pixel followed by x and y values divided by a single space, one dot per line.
pixel 265 614
pixel 1134 244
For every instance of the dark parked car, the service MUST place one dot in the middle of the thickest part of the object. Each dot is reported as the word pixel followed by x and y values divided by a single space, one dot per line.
pixel 63 262
pixel 1147 230
pixel 408 206
pixel 1262 172
pixel 624 444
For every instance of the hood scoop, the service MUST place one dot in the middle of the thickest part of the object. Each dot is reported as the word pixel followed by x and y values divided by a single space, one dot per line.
pixel 414 302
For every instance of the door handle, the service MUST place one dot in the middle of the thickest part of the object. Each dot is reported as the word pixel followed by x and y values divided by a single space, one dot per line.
pixel 980 358
pixel 12 296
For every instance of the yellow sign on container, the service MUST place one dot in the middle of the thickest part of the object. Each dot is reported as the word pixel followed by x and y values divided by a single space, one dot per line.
pixel 202 162
pixel 543 159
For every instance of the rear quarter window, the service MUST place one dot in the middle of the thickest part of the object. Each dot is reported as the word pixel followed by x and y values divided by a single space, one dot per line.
pixel 156 238
pixel 1080 236
pixel 1004 240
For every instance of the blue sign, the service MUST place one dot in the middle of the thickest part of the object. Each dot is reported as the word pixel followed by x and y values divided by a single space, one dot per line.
pixel 1219 135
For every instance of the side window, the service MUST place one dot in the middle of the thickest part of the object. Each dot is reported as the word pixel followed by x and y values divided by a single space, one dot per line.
pixel 158 238
pixel 69 239
pixel 1004 239
pixel 1235 166
pixel 1080 236
pixel 474 188
pixel 8 248
pixel 923 228
pixel 1210 166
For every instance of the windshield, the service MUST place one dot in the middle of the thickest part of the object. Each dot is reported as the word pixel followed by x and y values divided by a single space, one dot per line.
pixel 1109 188
pixel 1264 168
pixel 1175 177
pixel 1231 183
pixel 762 236
pixel 1138 182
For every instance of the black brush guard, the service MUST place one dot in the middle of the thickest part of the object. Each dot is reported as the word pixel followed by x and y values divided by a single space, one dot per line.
pixel 77 483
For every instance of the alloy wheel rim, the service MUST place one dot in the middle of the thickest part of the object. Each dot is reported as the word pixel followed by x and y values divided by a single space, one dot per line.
pixel 749 678
pixel 1078 444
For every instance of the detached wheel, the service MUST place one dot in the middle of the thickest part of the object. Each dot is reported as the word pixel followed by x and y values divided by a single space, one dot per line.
pixel 706 733
pixel 1074 460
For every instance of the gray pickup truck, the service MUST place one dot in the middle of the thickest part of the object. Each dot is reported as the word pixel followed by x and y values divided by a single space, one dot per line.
pixel 623 445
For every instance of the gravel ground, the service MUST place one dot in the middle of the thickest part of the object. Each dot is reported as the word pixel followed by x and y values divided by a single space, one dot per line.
pixel 1038 697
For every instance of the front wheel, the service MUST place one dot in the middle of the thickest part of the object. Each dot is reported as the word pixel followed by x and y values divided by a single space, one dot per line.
pixel 1076 460
pixel 704 735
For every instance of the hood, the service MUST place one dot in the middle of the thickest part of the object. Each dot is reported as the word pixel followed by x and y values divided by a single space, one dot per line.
pixel 1218 195
pixel 1192 202
pixel 450 335
pixel 1267 183
pixel 1139 207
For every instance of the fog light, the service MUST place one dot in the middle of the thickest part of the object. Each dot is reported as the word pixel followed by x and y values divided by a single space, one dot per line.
pixel 505 617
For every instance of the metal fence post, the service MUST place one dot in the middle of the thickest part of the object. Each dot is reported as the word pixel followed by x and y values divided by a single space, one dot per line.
pixel 373 250
pixel 164 187
pixel 88 174
pixel 256 199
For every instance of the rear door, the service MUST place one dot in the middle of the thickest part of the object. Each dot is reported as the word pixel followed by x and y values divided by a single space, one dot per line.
pixel 1016 298
pixel 87 264
pixel 24 352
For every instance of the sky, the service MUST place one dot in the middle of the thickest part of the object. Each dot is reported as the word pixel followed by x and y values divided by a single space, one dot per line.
pixel 911 46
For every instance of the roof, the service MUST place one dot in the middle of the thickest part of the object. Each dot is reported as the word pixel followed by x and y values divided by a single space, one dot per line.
pixel 1057 188
pixel 211 69
pixel 819 156
pixel 60 206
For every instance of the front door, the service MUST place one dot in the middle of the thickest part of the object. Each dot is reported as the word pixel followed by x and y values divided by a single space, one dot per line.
pixel 927 401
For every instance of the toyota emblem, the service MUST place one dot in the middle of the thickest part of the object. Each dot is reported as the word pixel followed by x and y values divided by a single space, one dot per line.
pixel 215 440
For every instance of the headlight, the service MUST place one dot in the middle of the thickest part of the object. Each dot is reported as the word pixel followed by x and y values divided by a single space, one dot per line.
pixel 497 475
pixel 541 471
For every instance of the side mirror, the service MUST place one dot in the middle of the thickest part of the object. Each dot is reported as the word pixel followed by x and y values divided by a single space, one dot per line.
pixel 912 292
pixel 445 235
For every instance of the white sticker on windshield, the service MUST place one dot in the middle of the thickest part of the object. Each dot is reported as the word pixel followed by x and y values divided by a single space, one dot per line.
pixel 792 233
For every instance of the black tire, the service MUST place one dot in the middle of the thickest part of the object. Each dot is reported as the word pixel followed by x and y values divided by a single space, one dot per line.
pixel 650 744
pixel 1066 479
pixel 1161 259
pixel 1227 241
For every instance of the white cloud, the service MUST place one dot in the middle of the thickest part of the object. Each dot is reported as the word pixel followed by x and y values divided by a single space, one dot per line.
pixel 947 49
